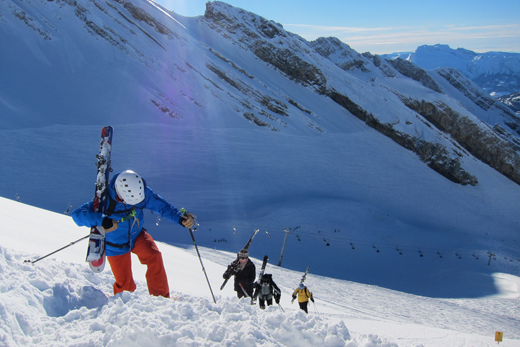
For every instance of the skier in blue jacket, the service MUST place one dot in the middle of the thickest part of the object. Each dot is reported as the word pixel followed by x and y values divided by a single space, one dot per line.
pixel 123 224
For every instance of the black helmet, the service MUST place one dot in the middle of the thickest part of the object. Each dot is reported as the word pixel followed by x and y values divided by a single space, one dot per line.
pixel 266 278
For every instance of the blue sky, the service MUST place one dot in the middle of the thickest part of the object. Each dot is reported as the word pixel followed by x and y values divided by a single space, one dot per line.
pixel 388 26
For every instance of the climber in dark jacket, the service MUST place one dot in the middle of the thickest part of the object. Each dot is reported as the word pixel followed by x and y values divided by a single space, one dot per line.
pixel 244 275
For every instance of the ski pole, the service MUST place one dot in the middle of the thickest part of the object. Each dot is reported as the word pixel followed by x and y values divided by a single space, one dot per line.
pixel 184 212
pixel 56 251
pixel 316 309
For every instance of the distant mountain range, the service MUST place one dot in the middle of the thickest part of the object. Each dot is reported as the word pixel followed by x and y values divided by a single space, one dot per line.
pixel 498 73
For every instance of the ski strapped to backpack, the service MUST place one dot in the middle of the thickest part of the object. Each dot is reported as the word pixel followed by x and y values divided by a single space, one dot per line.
pixel 96 256
pixel 305 275
pixel 260 274
pixel 262 269
pixel 233 268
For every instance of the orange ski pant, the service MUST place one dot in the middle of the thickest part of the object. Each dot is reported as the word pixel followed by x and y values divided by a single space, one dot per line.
pixel 149 255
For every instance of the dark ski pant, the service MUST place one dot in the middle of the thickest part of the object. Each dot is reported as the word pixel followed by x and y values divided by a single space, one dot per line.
pixel 303 306
pixel 262 302
pixel 149 255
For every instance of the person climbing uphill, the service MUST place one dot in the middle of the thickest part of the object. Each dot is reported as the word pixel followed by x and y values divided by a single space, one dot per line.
pixel 303 296
pixel 244 273
pixel 266 290
pixel 123 224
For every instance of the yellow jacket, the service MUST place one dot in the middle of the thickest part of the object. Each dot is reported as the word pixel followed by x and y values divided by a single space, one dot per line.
pixel 303 294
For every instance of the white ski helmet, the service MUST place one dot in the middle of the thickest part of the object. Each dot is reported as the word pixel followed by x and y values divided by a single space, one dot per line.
pixel 130 187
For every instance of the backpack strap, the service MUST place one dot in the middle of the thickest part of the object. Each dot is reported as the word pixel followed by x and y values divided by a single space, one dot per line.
pixel 112 206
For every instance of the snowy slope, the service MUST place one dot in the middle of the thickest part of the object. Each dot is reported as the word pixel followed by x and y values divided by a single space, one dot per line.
pixel 370 191
pixel 58 301
pixel 234 139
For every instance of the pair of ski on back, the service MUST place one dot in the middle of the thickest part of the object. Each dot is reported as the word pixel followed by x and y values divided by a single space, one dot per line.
pixel 96 252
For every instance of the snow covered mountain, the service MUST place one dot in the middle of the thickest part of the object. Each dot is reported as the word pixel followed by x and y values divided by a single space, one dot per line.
pixel 272 80
pixel 441 110
pixel 250 126
pixel 498 73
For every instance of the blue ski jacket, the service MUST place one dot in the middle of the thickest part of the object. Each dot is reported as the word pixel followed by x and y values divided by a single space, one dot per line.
pixel 122 240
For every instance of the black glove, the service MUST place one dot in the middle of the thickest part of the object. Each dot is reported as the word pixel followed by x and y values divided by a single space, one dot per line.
pixel 228 272
pixel 312 299
pixel 277 298
pixel 109 224
pixel 294 297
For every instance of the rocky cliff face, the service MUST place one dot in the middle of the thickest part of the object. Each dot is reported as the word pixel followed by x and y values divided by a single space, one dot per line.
pixel 435 155
pixel 259 36
pixel 460 132
pixel 471 91
pixel 478 97
pixel 477 138
pixel 348 59
pixel 417 74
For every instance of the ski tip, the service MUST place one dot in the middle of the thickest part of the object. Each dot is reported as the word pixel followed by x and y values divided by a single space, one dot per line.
pixel 106 131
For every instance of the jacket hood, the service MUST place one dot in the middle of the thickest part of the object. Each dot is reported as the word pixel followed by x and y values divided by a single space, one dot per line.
pixel 112 186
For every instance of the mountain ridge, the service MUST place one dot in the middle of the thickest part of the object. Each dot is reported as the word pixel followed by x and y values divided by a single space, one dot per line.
pixel 498 73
